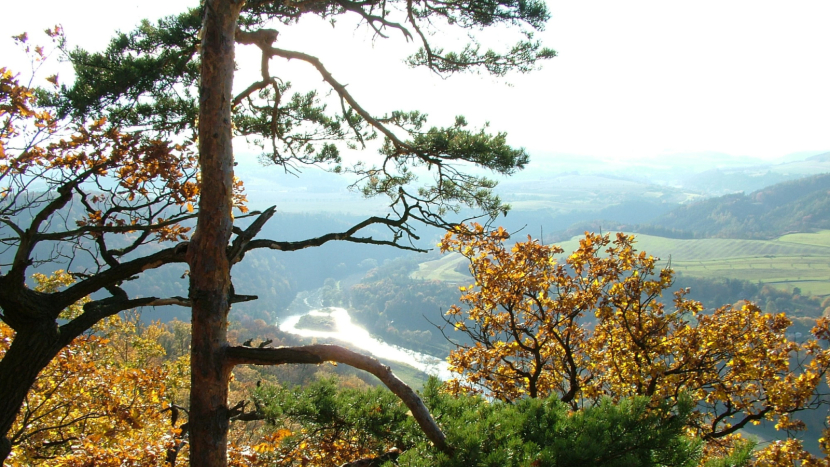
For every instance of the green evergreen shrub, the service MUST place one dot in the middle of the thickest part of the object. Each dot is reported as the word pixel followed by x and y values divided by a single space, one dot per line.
pixel 529 433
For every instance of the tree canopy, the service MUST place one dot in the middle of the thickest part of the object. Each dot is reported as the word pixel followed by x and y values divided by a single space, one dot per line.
pixel 593 324
pixel 128 168
pixel 147 78
pixel 87 197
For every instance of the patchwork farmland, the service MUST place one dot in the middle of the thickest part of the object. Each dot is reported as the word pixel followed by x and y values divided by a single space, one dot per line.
pixel 796 260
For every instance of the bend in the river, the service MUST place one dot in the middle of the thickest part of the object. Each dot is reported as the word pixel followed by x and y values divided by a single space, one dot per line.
pixel 354 335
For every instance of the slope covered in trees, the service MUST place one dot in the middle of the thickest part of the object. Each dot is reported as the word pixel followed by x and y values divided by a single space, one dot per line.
pixel 801 205
pixel 403 310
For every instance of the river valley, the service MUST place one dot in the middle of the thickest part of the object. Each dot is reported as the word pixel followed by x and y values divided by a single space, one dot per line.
pixel 359 338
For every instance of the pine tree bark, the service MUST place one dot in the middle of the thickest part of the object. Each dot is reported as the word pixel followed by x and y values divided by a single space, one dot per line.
pixel 207 255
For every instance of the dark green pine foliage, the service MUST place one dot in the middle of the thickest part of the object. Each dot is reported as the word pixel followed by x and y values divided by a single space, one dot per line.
pixel 143 79
pixel 147 79
pixel 375 418
pixel 545 432
pixel 530 433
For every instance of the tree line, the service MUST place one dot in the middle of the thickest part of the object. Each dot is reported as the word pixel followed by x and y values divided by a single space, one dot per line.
pixel 793 206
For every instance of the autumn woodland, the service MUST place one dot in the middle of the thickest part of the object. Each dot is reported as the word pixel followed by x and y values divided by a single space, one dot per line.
pixel 145 291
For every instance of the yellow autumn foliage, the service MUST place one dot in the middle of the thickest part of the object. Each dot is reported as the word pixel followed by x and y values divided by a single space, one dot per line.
pixel 595 324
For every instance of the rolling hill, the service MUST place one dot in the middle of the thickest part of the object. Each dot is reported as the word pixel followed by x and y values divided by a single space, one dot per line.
pixel 801 205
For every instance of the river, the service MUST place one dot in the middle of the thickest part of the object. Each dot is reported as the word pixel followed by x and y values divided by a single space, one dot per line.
pixel 360 338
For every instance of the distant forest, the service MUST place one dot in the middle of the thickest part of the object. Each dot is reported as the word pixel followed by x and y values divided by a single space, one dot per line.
pixel 801 205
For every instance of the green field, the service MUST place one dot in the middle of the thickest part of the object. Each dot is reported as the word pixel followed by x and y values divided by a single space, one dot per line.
pixel 819 238
pixel 443 269
pixel 796 260
pixel 413 377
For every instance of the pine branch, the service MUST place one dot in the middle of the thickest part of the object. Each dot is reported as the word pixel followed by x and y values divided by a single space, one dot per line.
pixel 333 353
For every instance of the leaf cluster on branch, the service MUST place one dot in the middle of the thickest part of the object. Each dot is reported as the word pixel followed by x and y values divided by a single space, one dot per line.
pixel 101 400
pixel 594 324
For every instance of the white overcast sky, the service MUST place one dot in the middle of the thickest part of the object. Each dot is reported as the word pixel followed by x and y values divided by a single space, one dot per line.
pixel 634 79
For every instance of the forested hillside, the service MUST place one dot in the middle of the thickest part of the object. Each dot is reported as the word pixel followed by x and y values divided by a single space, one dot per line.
pixel 796 206
pixel 405 311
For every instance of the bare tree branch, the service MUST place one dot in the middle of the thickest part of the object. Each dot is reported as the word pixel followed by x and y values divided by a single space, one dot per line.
pixel 264 39
pixel 185 302
pixel 347 236
pixel 237 248
pixel 371 19
pixel 98 229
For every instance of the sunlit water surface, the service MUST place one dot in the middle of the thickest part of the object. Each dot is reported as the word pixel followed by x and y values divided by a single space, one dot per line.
pixel 360 338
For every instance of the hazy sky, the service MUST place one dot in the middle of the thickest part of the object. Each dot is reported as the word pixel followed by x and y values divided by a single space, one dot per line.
pixel 634 79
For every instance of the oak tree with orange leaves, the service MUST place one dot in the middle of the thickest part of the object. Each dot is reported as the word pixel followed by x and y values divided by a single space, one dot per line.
pixel 594 323
pixel 100 201
pixel 86 195
pixel 105 399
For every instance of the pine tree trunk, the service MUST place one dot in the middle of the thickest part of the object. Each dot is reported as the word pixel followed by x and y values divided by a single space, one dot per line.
pixel 207 257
